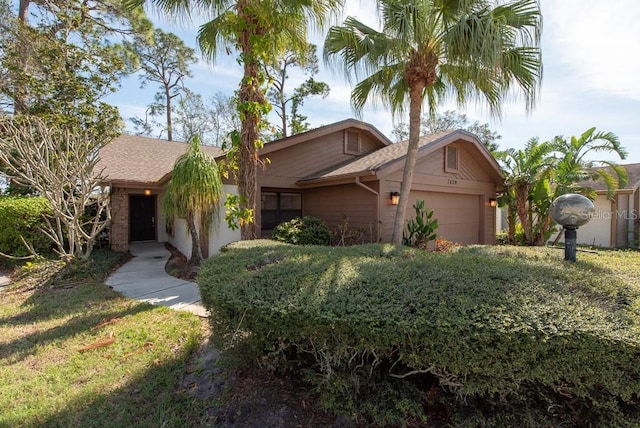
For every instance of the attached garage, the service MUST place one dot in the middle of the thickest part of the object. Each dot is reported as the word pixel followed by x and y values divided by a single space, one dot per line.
pixel 458 215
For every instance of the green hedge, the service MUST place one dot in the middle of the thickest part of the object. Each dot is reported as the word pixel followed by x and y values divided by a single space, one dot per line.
pixel 303 231
pixel 494 336
pixel 22 216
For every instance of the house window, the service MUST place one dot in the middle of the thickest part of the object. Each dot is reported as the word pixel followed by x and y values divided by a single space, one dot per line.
pixel 451 159
pixel 278 207
pixel 352 144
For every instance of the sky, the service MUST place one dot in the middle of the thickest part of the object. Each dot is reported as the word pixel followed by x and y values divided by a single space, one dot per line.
pixel 591 59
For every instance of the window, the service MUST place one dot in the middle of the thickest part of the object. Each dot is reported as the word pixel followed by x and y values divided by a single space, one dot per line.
pixel 451 159
pixel 352 145
pixel 278 207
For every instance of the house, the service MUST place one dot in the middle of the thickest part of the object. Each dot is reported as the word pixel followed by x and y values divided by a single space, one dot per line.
pixel 616 222
pixel 346 171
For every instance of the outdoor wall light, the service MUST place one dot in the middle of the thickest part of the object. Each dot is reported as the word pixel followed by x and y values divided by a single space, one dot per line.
pixel 395 198
pixel 493 202
pixel 147 192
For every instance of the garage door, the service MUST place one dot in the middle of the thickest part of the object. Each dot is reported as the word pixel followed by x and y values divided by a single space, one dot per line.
pixel 458 215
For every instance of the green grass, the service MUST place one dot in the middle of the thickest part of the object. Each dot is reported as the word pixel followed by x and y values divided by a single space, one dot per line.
pixel 47 317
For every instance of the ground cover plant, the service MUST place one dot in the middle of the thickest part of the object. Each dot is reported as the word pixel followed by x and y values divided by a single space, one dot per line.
pixel 75 353
pixel 479 336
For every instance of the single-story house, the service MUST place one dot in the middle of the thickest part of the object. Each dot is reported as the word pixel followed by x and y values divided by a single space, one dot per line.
pixel 344 171
pixel 616 221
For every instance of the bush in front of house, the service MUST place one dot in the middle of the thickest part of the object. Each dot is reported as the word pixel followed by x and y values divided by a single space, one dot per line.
pixel 23 216
pixel 421 229
pixel 303 231
pixel 489 336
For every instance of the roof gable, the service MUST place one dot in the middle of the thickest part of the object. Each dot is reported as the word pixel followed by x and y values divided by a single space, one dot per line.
pixel 391 158
pixel 322 131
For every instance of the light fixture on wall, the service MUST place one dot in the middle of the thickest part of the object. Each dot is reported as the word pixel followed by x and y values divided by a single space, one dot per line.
pixel 395 198
pixel 147 192
pixel 493 202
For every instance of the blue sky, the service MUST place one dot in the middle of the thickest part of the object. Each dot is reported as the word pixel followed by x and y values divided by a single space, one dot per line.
pixel 591 57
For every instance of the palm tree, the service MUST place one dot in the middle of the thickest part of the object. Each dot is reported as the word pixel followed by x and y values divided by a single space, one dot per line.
pixel 434 49
pixel 573 167
pixel 259 30
pixel 194 192
pixel 527 185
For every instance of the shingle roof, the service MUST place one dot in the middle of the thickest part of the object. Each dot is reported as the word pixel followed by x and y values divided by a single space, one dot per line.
pixel 374 161
pixel 633 172
pixel 134 159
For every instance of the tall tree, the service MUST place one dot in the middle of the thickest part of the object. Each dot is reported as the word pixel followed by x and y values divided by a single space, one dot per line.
pixel 194 193
pixel 479 49
pixel 258 30
pixel 61 57
pixel 282 101
pixel 165 60
pixel 450 120
pixel 211 120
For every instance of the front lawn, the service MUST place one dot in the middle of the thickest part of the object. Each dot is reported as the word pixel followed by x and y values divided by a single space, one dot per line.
pixel 74 353
pixel 497 336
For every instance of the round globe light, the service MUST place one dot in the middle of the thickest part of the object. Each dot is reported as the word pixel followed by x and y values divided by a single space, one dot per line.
pixel 572 210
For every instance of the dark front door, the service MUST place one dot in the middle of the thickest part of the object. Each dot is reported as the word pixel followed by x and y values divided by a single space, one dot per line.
pixel 142 217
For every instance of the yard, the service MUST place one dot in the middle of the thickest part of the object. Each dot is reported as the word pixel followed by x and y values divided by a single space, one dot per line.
pixel 74 353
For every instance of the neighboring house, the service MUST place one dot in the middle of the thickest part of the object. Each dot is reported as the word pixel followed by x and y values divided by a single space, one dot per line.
pixel 616 222
pixel 346 171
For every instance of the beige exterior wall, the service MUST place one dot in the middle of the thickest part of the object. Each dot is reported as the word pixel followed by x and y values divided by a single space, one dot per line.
pixel 336 203
pixel 219 234
pixel 460 200
pixel 598 231
pixel 615 222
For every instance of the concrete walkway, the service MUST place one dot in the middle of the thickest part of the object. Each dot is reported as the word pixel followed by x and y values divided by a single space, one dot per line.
pixel 4 281
pixel 144 278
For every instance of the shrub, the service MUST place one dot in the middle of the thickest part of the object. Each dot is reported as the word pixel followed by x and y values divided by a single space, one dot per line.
pixel 503 336
pixel 23 216
pixel 444 245
pixel 421 229
pixel 303 231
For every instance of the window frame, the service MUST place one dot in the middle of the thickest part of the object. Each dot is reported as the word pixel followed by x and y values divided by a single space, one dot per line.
pixel 279 217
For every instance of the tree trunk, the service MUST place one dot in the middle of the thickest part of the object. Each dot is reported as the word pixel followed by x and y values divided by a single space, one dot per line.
pixel 20 91
pixel 522 196
pixel 251 101
pixel 167 94
pixel 196 252
pixel 415 110
pixel 511 223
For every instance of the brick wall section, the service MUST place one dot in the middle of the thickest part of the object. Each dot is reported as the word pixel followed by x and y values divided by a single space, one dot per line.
pixel 119 230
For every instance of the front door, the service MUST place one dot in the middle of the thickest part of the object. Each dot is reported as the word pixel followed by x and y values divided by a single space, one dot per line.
pixel 142 217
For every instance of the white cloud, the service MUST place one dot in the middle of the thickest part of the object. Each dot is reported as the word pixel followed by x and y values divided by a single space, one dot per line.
pixel 597 42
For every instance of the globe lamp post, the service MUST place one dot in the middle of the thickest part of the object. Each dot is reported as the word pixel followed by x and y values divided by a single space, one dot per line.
pixel 571 211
